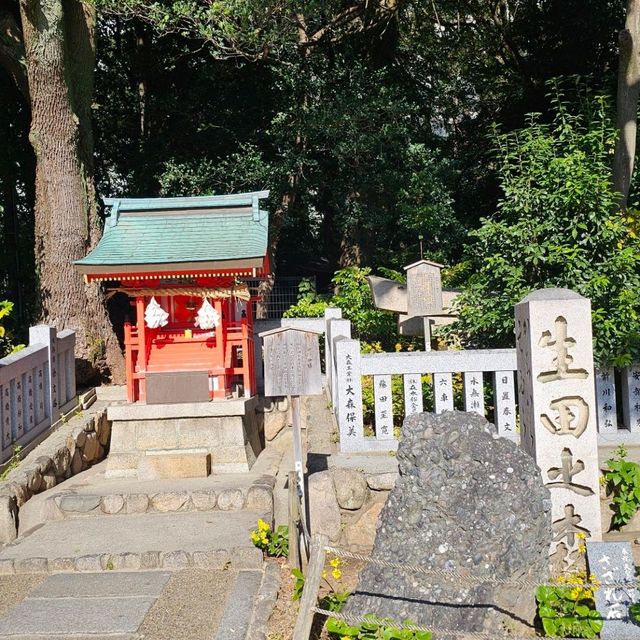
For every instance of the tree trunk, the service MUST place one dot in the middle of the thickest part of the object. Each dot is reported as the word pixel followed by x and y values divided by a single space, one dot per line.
pixel 58 37
pixel 627 101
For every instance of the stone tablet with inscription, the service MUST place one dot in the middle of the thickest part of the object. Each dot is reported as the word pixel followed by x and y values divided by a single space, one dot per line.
pixel 613 562
pixel 291 362
pixel 424 288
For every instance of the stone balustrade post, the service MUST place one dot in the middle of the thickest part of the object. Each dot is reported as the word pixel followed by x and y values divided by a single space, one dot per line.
pixel 556 391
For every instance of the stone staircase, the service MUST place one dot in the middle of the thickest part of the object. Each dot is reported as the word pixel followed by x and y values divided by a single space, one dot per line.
pixel 95 523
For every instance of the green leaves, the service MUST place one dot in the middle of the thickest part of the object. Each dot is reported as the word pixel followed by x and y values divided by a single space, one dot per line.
pixel 556 226
pixel 568 611
pixel 374 628
pixel 623 481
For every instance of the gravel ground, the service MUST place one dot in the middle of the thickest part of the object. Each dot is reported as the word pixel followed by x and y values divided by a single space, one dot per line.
pixel 190 606
pixel 14 589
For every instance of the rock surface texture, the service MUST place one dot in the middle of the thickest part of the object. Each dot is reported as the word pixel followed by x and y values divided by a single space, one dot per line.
pixel 467 501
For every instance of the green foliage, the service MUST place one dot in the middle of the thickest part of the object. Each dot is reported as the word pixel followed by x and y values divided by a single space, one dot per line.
pixel 623 482
pixel 6 344
pixel 556 226
pixel 568 612
pixel 334 601
pixel 634 612
pixel 353 296
pixel 14 461
pixel 374 629
pixel 273 543
pixel 298 585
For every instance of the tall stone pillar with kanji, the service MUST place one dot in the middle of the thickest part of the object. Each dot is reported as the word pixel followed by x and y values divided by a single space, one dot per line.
pixel 556 391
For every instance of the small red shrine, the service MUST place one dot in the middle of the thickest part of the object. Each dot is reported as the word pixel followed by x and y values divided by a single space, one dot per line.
pixel 184 263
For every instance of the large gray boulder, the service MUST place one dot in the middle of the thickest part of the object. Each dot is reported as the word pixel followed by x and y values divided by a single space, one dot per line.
pixel 466 500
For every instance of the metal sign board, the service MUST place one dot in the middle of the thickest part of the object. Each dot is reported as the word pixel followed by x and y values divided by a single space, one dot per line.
pixel 291 362
pixel 424 289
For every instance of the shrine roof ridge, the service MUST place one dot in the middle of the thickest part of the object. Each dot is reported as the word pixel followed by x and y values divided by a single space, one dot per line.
pixel 231 230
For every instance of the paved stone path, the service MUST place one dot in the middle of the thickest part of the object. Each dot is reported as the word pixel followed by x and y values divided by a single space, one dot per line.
pixel 192 604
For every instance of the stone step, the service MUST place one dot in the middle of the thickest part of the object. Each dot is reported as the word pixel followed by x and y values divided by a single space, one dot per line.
pixel 93 495
pixel 214 539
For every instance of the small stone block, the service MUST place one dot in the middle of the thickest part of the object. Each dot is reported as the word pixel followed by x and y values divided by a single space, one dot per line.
pixel 79 503
pixel 259 498
pixel 245 558
pixel 210 559
pixel 137 503
pixel 90 563
pixel 170 501
pixel 204 500
pixel 61 565
pixel 381 481
pixel 150 560
pixel 112 504
pixel 175 465
pixel 230 500
pixel 613 562
pixel 175 560
pixel 120 561
pixel 31 565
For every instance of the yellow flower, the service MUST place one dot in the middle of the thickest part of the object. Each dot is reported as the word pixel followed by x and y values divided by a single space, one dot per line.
pixel 582 548
pixel 581 536
pixel 337 574
pixel 263 526
pixel 575 593
pixel 324 573
pixel 335 563
pixel 398 346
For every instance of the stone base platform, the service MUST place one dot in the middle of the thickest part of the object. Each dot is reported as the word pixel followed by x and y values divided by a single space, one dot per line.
pixel 184 440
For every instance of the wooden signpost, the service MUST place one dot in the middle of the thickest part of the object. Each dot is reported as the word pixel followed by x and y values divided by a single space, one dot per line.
pixel 292 368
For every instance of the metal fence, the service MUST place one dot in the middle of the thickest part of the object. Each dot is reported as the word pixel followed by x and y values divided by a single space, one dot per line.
pixel 283 295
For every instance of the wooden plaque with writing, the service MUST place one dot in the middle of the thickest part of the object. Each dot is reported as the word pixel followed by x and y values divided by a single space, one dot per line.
pixel 291 363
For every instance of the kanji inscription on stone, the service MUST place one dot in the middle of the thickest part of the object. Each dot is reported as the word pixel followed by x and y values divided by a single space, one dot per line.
pixel 631 397
pixel 383 407
pixel 412 393
pixel 606 400
pixel 442 392
pixel 473 392
pixel 612 564
pixel 556 396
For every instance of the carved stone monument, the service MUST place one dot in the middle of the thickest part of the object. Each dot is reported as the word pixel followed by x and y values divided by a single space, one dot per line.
pixel 556 390
pixel 612 562
pixel 466 501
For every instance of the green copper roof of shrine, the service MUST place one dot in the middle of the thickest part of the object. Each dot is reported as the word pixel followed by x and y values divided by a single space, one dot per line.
pixel 185 232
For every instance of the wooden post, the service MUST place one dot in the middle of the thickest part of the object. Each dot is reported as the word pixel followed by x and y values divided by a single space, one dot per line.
pixel 294 522
pixel 311 586
pixel 297 451
pixel 142 347
pixel 427 333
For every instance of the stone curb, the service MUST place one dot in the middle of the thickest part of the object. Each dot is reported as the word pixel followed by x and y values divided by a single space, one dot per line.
pixel 257 497
pixel 67 450
pixel 236 558
pixel 265 601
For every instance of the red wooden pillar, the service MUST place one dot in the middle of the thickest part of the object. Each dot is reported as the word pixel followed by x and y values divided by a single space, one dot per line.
pixel 142 347
pixel 219 350
pixel 128 347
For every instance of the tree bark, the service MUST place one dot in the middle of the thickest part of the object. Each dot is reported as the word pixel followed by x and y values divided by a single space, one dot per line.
pixel 59 40
pixel 12 52
pixel 627 101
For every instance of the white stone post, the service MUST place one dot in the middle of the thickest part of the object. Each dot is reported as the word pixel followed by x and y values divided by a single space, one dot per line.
pixel 473 392
pixel 412 393
pixel 348 382
pixel 332 313
pixel 45 335
pixel 606 400
pixel 442 392
pixel 383 406
pixel 631 397
pixel 505 404
pixel 556 393
pixel 336 329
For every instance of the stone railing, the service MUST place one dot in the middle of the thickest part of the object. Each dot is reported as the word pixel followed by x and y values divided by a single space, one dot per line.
pixel 37 384
pixel 482 375
pixel 476 368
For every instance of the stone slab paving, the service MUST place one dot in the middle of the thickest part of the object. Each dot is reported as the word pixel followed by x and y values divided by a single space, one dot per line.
pixel 86 605
pixel 150 540
pixel 239 606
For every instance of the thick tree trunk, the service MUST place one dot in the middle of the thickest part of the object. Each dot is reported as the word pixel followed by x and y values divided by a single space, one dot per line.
pixel 627 101
pixel 58 38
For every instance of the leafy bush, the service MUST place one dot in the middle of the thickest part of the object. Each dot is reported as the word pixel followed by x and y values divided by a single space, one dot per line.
pixel 274 543
pixel 568 610
pixel 556 226
pixel 374 629
pixel 623 481
pixel 6 343
pixel 353 296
